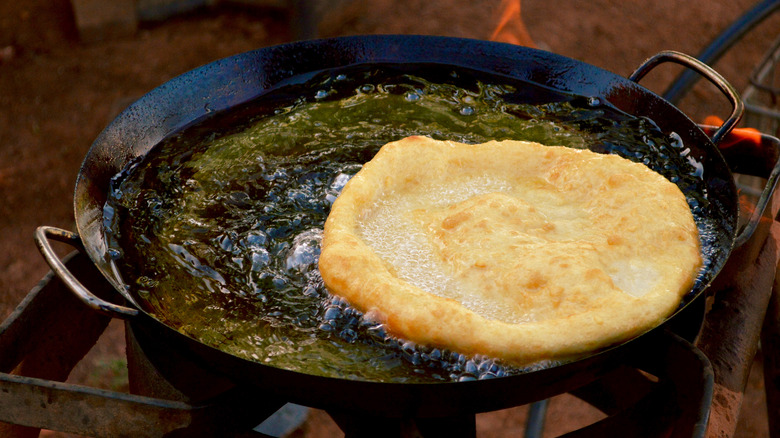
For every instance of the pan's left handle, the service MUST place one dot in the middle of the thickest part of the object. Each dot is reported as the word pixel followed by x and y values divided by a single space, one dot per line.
pixel 738 107
pixel 42 237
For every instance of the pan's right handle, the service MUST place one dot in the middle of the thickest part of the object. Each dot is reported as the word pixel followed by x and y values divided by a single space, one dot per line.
pixel 738 107
pixel 42 237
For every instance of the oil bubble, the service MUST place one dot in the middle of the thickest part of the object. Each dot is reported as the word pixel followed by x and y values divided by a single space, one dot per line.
pixel 305 251
pixel 260 259
pixel 254 239
pixel 411 96
pixel 331 313
pixel 467 111
pixel 279 283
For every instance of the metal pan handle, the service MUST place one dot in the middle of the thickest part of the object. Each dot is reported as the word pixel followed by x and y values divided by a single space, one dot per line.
pixel 738 107
pixel 42 236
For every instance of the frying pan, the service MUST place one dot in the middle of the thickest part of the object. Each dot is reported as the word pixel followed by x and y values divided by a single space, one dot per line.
pixel 227 83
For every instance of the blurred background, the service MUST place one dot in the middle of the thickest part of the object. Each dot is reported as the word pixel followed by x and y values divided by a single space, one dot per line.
pixel 67 67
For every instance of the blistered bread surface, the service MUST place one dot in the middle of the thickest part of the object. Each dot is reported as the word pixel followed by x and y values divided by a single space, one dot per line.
pixel 511 249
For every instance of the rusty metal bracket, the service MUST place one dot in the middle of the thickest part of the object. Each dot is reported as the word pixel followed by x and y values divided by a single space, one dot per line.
pixel 733 324
pixel 770 346
pixel 49 333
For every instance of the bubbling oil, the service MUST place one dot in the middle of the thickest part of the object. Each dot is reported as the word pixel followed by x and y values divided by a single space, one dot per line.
pixel 217 231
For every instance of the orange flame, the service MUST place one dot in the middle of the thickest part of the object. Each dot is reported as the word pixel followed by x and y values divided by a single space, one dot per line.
pixel 511 28
pixel 737 135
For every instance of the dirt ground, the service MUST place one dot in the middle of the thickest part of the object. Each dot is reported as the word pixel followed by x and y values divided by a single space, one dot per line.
pixel 57 93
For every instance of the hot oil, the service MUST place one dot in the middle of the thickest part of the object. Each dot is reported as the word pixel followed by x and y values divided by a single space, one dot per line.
pixel 217 230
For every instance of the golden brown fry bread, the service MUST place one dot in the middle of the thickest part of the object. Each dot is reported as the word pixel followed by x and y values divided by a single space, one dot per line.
pixel 510 249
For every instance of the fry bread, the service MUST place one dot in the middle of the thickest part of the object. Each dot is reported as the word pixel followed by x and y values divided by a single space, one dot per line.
pixel 511 249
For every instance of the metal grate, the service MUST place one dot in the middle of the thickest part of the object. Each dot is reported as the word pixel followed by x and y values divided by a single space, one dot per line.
pixel 762 96
pixel 762 110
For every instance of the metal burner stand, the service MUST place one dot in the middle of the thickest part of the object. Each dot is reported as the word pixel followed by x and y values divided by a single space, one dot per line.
pixel 51 331
pixel 48 334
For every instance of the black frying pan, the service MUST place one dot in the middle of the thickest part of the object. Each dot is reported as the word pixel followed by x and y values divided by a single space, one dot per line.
pixel 233 81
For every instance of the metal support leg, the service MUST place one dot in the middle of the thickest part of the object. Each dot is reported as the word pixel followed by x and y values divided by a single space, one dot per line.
pixel 49 333
pixel 770 346
pixel 537 412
